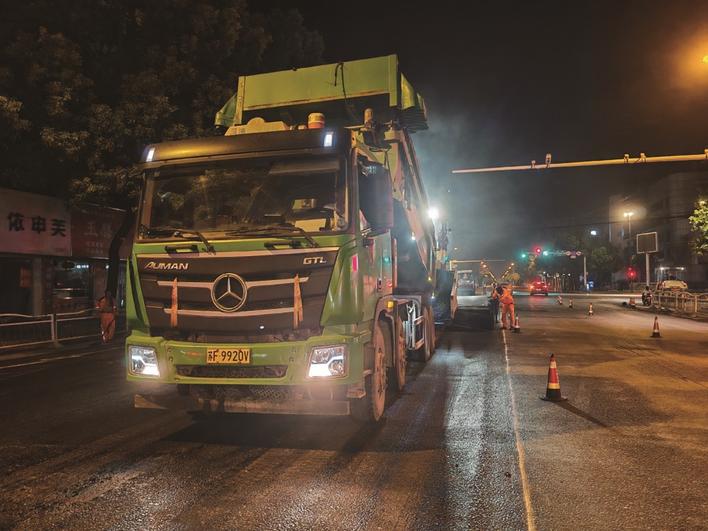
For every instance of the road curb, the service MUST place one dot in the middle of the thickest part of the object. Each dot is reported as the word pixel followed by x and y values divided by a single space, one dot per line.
pixel 63 348
pixel 670 313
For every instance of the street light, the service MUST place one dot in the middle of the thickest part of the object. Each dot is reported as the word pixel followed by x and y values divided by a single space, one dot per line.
pixel 593 232
pixel 629 215
pixel 433 213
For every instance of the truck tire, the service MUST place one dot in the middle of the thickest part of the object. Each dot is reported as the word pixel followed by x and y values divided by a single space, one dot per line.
pixel 370 409
pixel 425 352
pixel 397 373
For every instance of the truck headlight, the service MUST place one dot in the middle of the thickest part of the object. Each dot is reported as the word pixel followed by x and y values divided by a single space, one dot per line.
pixel 143 360
pixel 328 362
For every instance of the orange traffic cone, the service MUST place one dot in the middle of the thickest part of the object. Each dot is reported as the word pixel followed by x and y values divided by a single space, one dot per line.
pixel 570 304
pixel 560 300
pixel 553 388
pixel 517 328
pixel 655 332
pixel 590 312
pixel 632 304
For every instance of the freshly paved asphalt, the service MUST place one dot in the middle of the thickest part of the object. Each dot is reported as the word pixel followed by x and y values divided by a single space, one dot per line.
pixel 468 445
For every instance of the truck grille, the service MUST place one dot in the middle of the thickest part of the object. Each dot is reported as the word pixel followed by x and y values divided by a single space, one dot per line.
pixel 252 392
pixel 216 371
pixel 263 279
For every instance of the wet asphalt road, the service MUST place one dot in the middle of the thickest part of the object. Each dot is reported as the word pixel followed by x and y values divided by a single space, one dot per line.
pixel 469 445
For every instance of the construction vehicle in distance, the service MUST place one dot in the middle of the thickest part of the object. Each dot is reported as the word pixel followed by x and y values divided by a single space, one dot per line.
pixel 289 265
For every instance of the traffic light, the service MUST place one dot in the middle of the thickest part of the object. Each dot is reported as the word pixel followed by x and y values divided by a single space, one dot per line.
pixel 537 250
pixel 545 253
pixel 523 255
pixel 631 273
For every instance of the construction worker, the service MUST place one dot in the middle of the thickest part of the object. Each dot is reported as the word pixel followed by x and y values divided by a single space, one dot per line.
pixel 494 301
pixel 107 308
pixel 507 301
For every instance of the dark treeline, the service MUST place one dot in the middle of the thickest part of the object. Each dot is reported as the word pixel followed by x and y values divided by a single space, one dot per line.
pixel 84 85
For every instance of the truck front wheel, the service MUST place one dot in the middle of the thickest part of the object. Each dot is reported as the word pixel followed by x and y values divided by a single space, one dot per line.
pixel 371 407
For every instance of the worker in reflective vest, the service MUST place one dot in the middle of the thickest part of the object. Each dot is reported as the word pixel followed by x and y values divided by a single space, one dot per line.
pixel 107 309
pixel 507 301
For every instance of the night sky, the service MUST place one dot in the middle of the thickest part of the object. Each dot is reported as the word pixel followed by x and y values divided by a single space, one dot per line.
pixel 507 82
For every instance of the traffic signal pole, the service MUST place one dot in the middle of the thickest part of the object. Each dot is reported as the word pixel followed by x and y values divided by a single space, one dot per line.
pixel 626 160
pixel 548 165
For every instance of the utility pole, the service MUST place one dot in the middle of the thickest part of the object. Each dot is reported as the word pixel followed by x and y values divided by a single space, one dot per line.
pixel 585 272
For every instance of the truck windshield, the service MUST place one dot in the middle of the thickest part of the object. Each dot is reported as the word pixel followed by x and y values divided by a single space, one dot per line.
pixel 242 197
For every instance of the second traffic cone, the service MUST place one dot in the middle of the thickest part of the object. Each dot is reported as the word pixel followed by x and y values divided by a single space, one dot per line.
pixel 570 304
pixel 590 312
pixel 655 332
pixel 553 388
pixel 517 328
pixel 560 300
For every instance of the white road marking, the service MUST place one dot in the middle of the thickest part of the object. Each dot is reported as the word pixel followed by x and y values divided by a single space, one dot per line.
pixel 530 518
pixel 57 358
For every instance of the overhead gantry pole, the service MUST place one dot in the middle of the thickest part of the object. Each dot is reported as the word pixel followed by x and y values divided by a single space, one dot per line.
pixel 549 165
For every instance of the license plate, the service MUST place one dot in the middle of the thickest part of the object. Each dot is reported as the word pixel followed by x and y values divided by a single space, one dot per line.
pixel 228 356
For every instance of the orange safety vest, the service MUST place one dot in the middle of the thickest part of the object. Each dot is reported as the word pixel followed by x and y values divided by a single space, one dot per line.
pixel 507 297
pixel 104 306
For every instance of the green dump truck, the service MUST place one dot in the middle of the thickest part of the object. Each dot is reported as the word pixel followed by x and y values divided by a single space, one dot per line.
pixel 289 265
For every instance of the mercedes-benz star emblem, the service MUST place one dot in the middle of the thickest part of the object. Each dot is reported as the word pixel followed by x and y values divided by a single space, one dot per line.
pixel 228 292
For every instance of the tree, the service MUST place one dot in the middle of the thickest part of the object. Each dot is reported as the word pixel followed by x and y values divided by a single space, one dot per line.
pixel 699 226
pixel 602 257
pixel 82 90
pixel 603 261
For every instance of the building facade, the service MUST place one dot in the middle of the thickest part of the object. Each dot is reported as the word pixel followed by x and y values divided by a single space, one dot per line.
pixel 54 258
pixel 663 207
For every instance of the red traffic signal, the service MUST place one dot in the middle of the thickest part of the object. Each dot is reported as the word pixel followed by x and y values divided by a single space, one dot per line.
pixel 631 273
pixel 537 250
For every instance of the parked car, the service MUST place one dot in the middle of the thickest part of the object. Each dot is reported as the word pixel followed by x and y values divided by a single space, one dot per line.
pixel 539 287
pixel 673 285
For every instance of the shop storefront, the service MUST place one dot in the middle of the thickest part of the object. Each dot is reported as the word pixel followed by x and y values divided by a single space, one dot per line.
pixel 54 259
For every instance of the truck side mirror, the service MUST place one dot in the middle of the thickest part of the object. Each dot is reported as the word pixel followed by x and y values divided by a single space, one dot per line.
pixel 376 197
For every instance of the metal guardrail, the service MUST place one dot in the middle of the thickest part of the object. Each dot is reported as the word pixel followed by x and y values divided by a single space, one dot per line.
pixel 694 304
pixel 19 330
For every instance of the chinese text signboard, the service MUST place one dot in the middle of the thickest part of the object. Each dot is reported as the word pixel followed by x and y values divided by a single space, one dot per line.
pixel 93 229
pixel 34 224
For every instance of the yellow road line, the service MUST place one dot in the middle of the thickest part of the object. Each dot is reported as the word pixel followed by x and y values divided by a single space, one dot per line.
pixel 526 489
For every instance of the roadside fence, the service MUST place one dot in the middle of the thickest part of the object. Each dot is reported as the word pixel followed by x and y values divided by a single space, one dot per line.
pixel 18 330
pixel 694 304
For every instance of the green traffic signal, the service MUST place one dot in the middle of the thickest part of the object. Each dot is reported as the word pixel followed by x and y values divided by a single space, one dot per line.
pixel 523 255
